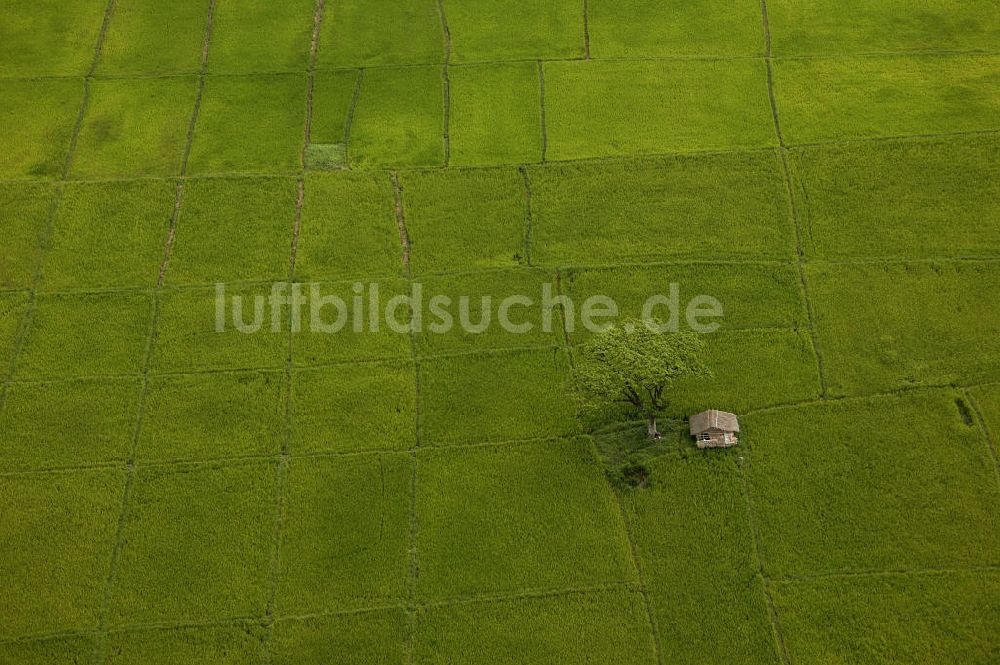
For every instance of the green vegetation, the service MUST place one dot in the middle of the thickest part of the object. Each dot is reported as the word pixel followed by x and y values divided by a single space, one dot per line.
pixel 152 37
pixel 207 416
pixel 346 534
pixel 186 336
pixel 185 559
pixel 901 199
pixel 462 220
pixel 67 423
pixel 58 651
pixel 39 117
pixel 512 30
pixel 580 628
pixel 85 334
pixel 930 618
pixel 348 228
pixel 134 127
pixel 399 120
pixel 828 172
pixel 255 36
pixel 499 396
pixel 250 124
pixel 752 369
pixel 325 346
pixel 557 527
pixel 333 94
pixel 233 230
pixel 49 38
pixel 883 483
pixel 988 402
pixel 648 28
pixel 752 295
pixel 325 156
pixel 634 362
pixel 825 27
pixel 24 216
pixel 495 114
pixel 222 645
pixel 827 99
pixel 495 286
pixel 732 205
pixel 698 558
pixel 348 639
pixel 884 326
pixel 354 407
pixel 13 305
pixel 611 107
pixel 381 32
pixel 109 234
pixel 53 577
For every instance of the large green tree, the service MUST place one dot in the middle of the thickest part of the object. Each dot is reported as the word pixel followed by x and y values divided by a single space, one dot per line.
pixel 634 363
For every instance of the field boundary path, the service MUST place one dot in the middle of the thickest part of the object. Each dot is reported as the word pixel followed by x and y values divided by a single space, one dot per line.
pixel 412 604
pixel 100 642
pixel 284 456
pixel 789 186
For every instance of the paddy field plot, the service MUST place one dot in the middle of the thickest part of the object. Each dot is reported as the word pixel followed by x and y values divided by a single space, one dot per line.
pixel 647 29
pixel 831 99
pixel 731 205
pixel 470 220
pixel 384 32
pixel 253 36
pixel 622 107
pixel 356 407
pixel 495 114
pixel 912 199
pixel 149 38
pixel 885 326
pixel 561 492
pixel 694 573
pixel 924 494
pixel 134 127
pixel 169 492
pixel 348 228
pixel 839 617
pixel 49 39
pixel 872 26
pixel 108 235
pixel 88 421
pixel 260 211
pixel 250 124
pixel 203 416
pixel 371 493
pixel 40 114
pixel 24 212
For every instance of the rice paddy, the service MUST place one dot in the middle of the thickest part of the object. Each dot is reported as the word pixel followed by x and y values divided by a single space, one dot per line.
pixel 176 492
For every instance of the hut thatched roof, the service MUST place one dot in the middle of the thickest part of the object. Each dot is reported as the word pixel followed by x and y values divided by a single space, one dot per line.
pixel 712 419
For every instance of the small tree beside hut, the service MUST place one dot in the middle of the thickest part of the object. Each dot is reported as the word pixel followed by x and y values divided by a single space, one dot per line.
pixel 635 364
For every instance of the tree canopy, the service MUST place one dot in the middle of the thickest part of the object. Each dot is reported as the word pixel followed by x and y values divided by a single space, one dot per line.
pixel 633 363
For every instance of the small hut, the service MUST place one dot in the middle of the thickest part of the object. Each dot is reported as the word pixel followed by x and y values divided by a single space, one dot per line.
pixel 715 429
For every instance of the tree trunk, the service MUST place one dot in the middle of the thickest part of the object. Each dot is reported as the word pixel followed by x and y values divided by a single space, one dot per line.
pixel 651 430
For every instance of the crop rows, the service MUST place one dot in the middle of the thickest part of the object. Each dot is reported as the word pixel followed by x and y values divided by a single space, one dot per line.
pixel 417 497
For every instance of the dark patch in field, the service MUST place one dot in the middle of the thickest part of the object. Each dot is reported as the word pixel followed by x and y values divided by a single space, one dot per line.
pixel 625 451
pixel 964 411
pixel 636 475
pixel 325 156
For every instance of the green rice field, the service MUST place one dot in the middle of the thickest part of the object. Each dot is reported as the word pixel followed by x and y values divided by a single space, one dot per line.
pixel 173 493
